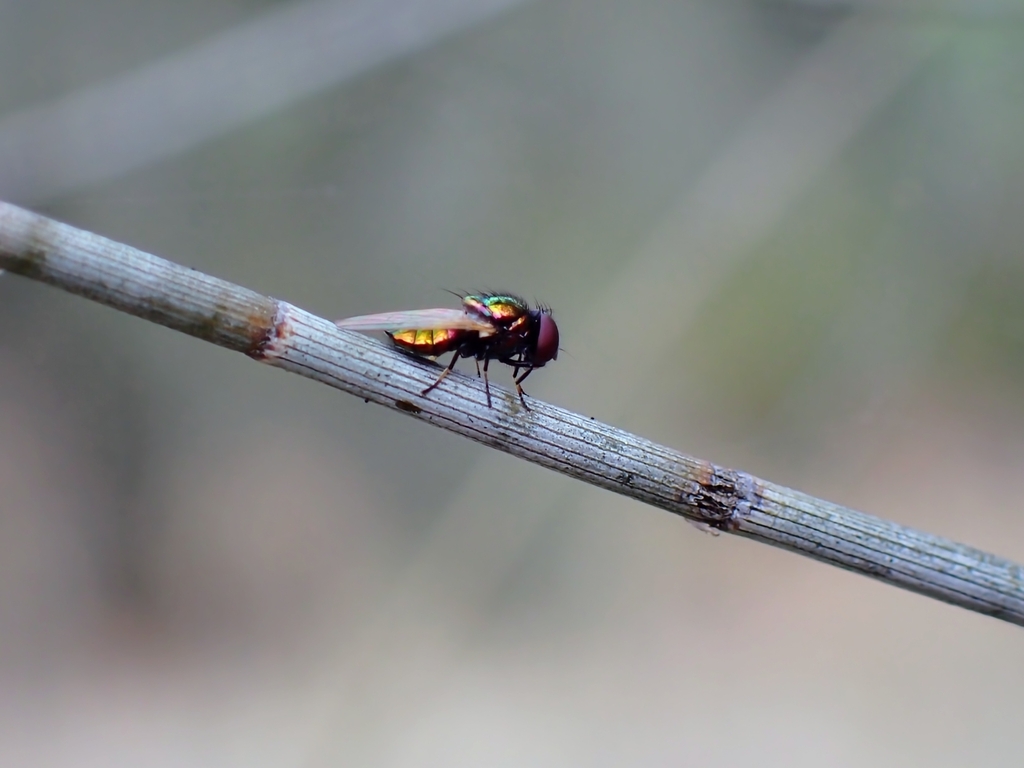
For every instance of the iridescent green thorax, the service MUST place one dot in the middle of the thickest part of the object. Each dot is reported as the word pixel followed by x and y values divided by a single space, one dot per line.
pixel 501 309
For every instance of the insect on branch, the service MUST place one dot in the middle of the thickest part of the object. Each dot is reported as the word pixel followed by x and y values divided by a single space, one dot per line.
pixel 282 335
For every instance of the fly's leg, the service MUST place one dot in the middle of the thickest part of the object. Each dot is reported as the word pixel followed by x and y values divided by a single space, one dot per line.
pixel 516 365
pixel 519 388
pixel 487 383
pixel 444 373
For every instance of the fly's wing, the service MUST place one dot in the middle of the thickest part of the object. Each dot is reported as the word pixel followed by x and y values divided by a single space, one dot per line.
pixel 418 319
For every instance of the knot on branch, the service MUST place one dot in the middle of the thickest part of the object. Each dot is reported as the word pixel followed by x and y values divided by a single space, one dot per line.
pixel 719 497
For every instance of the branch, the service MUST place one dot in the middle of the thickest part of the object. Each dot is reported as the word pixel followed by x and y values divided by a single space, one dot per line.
pixel 713 497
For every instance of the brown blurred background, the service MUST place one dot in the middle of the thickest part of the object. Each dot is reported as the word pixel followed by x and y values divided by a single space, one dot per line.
pixel 783 236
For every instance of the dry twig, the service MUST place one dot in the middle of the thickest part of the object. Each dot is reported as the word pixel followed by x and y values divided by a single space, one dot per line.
pixel 721 499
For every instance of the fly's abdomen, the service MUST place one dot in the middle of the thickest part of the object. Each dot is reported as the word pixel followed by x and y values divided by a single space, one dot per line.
pixel 430 342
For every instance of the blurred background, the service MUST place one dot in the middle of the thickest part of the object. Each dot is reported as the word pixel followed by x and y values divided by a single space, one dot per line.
pixel 786 237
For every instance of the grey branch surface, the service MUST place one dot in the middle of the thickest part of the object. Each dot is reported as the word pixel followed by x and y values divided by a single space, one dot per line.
pixel 282 335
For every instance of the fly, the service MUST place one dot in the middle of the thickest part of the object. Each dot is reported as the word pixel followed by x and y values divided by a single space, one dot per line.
pixel 489 326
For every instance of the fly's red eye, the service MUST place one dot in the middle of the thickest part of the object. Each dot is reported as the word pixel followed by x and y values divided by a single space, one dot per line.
pixel 547 340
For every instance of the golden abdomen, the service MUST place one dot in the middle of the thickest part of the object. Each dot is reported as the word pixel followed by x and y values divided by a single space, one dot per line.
pixel 430 342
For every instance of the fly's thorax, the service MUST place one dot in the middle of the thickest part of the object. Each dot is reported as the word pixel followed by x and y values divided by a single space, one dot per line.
pixel 502 310
pixel 521 333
